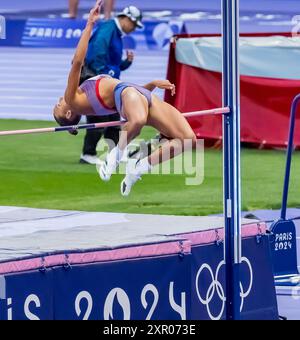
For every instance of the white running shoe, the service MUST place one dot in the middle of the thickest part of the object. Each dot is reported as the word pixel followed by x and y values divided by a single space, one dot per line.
pixel 105 170
pixel 110 164
pixel 131 177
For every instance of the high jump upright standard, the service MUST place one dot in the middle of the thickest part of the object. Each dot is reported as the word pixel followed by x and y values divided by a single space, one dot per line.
pixel 231 156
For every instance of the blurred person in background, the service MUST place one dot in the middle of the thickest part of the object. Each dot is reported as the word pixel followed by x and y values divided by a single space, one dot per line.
pixel 108 8
pixel 105 56
pixel 73 8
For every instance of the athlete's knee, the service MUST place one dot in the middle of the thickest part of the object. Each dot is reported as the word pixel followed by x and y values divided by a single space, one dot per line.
pixel 137 118
pixel 141 119
pixel 137 124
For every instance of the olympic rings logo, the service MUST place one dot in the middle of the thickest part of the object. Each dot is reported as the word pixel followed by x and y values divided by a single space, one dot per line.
pixel 216 288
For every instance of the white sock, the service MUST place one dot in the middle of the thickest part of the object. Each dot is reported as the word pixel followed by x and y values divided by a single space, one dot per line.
pixel 143 166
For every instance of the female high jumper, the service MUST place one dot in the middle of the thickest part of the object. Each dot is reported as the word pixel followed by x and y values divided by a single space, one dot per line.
pixel 103 95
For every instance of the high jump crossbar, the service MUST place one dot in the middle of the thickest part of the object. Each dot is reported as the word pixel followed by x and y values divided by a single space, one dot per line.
pixel 231 158
pixel 218 111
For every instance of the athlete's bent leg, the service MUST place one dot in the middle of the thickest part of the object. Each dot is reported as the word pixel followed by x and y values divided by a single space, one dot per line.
pixel 135 110
pixel 170 122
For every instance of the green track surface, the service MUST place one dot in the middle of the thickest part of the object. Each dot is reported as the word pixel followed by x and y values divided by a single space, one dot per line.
pixel 42 171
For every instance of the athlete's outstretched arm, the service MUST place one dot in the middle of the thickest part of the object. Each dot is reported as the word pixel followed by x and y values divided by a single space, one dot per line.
pixel 78 60
pixel 161 84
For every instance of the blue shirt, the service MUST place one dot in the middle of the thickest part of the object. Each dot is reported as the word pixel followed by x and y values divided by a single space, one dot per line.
pixel 105 50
